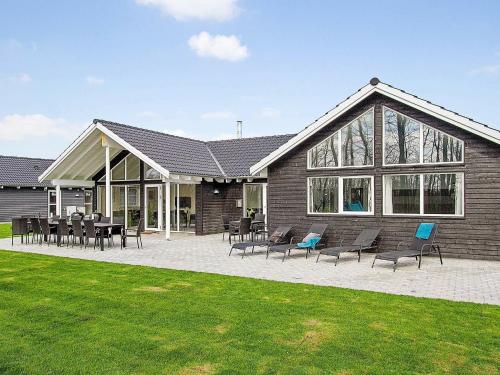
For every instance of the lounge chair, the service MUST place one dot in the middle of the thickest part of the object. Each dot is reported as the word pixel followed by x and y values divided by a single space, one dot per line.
pixel 307 245
pixel 277 238
pixel 366 240
pixel 423 244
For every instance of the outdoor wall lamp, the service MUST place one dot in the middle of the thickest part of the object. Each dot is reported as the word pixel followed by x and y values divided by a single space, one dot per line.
pixel 216 191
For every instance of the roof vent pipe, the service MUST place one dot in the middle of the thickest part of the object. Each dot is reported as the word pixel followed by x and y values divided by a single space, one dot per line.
pixel 239 128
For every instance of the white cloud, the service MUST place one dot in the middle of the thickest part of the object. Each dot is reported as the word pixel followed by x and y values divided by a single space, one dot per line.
pixel 223 47
pixel 490 70
pixel 21 78
pixel 220 115
pixel 177 132
pixel 269 112
pixel 94 81
pixel 17 127
pixel 183 10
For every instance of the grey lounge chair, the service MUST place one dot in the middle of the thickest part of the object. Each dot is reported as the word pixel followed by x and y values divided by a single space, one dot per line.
pixel 366 240
pixel 287 248
pixel 243 246
pixel 416 248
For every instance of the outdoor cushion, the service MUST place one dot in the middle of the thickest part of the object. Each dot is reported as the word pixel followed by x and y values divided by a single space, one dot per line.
pixel 311 235
pixel 309 241
pixel 424 231
pixel 276 237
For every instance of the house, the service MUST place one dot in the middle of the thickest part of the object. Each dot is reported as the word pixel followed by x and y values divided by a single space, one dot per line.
pixel 389 159
pixel 22 194
pixel 381 158
pixel 174 183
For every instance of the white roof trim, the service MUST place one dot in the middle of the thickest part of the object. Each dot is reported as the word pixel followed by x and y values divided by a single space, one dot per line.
pixel 111 135
pixel 393 93
pixel 65 153
pixel 133 150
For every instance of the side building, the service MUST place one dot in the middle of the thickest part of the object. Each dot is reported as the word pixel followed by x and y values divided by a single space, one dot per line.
pixel 22 194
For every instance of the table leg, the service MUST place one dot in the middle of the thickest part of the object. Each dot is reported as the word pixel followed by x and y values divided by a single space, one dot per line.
pixel 101 239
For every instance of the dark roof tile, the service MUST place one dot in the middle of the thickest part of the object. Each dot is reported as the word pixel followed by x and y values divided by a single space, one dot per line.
pixel 22 171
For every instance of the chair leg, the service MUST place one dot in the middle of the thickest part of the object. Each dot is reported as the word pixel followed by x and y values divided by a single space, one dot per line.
pixel 140 240
pixel 284 255
pixel 137 239
pixel 230 251
pixel 419 261
pixel 359 256
pixel 336 260
pixel 394 266
pixel 12 239
pixel 244 250
pixel 374 259
pixel 439 252
pixel 318 257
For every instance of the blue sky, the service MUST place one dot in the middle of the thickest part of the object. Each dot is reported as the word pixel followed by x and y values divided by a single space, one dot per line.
pixel 194 67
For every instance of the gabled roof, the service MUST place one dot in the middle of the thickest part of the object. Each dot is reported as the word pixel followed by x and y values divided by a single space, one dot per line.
pixel 375 86
pixel 167 153
pixel 235 156
pixel 175 154
pixel 21 171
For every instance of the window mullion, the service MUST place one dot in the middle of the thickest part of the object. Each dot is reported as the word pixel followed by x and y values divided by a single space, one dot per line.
pixel 340 187
pixel 421 194
pixel 421 143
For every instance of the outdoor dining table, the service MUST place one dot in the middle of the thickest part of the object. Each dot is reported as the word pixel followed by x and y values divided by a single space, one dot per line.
pixel 98 225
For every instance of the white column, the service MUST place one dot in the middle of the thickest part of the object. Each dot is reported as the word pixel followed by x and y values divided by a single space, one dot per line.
pixel 58 200
pixel 177 203
pixel 108 183
pixel 167 210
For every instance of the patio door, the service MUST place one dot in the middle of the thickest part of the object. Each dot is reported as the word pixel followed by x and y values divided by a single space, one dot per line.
pixel 254 199
pixel 153 202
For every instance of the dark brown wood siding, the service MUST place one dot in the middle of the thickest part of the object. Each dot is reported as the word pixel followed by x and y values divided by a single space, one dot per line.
pixel 210 206
pixel 476 235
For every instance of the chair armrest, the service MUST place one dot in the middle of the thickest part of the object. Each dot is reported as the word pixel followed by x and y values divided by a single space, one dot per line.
pixel 424 246
pixel 292 240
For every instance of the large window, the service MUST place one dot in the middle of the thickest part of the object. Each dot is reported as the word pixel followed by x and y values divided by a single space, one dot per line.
pixel 88 201
pixel 126 169
pixel 407 141
pixel 150 173
pixel 350 146
pixel 340 195
pixel 432 194
pixel 52 201
pixel 254 199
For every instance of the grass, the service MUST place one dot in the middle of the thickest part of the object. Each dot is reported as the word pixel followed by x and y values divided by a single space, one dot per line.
pixel 67 316
pixel 5 230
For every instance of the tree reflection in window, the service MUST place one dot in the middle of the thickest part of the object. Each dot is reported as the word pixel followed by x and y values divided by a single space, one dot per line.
pixel 402 138
pixel 357 141
pixel 325 154
pixel 440 147
pixel 324 194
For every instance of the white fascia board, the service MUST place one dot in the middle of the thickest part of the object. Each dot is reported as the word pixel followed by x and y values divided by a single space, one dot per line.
pixel 440 113
pixel 133 150
pixel 321 122
pixel 73 183
pixel 393 93
pixel 65 153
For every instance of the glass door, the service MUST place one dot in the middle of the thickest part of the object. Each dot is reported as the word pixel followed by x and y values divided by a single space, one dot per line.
pixel 254 199
pixel 182 207
pixel 118 204
pixel 153 203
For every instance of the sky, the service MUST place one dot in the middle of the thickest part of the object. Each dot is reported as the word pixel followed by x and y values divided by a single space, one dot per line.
pixel 195 67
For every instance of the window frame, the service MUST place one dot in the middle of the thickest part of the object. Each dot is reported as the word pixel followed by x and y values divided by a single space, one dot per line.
pixel 422 188
pixel 421 143
pixel 339 146
pixel 340 195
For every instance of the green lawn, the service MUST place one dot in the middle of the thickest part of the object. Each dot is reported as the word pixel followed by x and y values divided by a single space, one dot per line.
pixel 66 316
pixel 5 230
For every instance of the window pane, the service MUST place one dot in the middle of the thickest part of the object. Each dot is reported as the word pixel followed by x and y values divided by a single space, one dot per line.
pixel 132 167
pixel 151 173
pixel 118 204
pixel 52 197
pixel 101 201
pixel 443 194
pixel 253 199
pixel 357 141
pixel 325 154
pixel 402 194
pixel 134 205
pixel 357 194
pixel 402 138
pixel 440 147
pixel 118 172
pixel 324 194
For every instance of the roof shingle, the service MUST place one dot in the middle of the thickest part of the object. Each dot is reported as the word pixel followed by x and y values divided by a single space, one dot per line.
pixel 22 171
pixel 228 158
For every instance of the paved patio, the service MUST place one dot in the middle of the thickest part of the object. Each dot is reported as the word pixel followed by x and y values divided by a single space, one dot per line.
pixel 458 279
